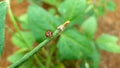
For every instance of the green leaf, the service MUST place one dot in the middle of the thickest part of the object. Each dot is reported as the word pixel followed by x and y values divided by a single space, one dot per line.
pixel 24 21
pixel 73 45
pixel 82 64
pixel 94 58
pixel 28 64
pixel 40 21
pixel 3 7
pixel 102 1
pixel 73 10
pixel 18 40
pixel 15 57
pixel 111 6
pixel 101 10
pixel 53 2
pixel 52 11
pixel 89 27
pixel 37 2
pixel 108 43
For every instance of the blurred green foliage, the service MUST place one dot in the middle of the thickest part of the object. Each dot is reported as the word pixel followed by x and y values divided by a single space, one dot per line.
pixel 104 5
pixel 3 7
pixel 77 42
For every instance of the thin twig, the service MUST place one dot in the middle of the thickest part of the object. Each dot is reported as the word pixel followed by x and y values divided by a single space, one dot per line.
pixel 36 49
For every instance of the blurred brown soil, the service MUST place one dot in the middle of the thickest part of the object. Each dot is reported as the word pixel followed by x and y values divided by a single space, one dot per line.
pixel 110 24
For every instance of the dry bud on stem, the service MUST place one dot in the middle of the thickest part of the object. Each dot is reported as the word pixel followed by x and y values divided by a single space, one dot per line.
pixel 61 27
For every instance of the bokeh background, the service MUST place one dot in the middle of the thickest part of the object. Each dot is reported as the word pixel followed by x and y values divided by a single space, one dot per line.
pixel 110 23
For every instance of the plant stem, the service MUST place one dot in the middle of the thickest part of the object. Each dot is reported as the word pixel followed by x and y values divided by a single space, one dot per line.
pixel 16 27
pixel 45 52
pixel 9 30
pixel 39 62
pixel 36 49
pixel 49 58
pixel 18 30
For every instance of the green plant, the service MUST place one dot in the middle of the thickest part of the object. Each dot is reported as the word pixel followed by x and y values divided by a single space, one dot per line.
pixel 3 7
pixel 104 5
pixel 77 42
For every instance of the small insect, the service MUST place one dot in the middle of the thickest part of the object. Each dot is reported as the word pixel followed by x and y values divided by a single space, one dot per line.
pixel 48 33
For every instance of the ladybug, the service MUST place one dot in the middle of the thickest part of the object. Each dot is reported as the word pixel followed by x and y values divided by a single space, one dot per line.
pixel 48 33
